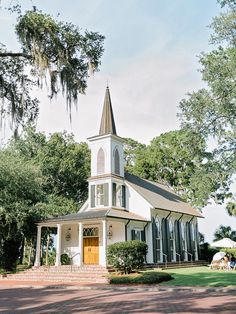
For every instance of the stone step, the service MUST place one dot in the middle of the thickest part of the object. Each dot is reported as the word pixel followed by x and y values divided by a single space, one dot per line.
pixel 58 279
pixel 171 265
pixel 60 271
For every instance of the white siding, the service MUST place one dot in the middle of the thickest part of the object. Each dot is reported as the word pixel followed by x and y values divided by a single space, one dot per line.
pixel 135 203
pixel 70 247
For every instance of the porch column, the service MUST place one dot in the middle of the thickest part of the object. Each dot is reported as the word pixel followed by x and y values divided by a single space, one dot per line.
pixel 58 248
pixel 104 243
pixel 80 243
pixel 38 246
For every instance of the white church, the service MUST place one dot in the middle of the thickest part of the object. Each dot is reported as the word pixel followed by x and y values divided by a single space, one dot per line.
pixel 123 207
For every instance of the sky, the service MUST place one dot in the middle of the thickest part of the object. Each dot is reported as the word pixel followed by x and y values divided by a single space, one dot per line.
pixel 150 63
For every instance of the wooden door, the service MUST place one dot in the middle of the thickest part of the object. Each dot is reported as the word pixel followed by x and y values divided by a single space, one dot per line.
pixel 91 250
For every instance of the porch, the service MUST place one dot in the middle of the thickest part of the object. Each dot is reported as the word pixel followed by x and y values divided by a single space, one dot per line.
pixel 84 237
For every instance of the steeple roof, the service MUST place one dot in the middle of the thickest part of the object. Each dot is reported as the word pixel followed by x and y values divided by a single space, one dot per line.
pixel 107 125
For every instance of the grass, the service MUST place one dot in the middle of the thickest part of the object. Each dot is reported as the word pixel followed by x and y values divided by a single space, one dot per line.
pixel 201 276
pixel 194 277
pixel 147 277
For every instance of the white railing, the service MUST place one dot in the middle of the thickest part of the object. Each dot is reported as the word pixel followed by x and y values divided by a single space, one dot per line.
pixel 165 256
pixel 191 255
pixel 71 259
pixel 178 256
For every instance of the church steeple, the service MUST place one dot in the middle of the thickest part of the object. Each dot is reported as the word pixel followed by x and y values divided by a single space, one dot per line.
pixel 107 125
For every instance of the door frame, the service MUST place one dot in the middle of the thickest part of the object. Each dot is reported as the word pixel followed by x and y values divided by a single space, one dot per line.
pixel 87 237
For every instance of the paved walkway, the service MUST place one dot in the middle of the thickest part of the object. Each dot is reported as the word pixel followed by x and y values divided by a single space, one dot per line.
pixel 31 297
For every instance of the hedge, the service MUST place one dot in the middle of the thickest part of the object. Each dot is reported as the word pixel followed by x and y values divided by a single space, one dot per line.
pixel 127 256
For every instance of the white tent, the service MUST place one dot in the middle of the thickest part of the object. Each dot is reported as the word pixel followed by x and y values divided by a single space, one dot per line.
pixel 225 242
pixel 218 256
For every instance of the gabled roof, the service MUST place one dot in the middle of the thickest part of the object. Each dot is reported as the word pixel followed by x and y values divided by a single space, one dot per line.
pixel 107 125
pixel 160 196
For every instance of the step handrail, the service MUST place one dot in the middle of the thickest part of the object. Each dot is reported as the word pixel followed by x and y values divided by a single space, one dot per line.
pixel 178 256
pixel 71 258
pixel 165 255
pixel 191 255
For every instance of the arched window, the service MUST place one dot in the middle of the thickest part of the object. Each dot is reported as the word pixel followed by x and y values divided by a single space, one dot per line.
pixel 157 239
pixel 117 161
pixel 100 161
pixel 171 240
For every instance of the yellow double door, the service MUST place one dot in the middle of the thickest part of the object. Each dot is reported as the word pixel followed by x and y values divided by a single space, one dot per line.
pixel 91 250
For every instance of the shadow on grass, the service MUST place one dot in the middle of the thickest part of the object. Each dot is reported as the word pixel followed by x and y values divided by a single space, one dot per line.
pixel 207 278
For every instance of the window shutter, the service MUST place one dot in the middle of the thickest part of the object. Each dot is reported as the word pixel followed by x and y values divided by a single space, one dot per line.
pixel 132 234
pixel 113 194
pixel 123 196
pixel 143 235
pixel 92 192
pixel 105 194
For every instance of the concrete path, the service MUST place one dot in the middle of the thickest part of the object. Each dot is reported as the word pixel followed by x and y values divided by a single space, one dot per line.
pixel 27 297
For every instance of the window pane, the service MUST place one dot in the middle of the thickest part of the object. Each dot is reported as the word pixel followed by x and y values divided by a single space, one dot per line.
pixel 90 232
pixel 100 161
pixel 117 162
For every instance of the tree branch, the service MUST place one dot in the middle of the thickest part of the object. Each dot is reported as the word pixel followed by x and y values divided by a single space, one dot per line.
pixel 14 54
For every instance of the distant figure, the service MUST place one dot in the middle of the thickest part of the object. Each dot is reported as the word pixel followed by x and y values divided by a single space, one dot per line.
pixel 232 261
pixel 226 258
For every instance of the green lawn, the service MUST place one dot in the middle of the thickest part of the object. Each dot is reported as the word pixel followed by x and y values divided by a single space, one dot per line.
pixel 201 276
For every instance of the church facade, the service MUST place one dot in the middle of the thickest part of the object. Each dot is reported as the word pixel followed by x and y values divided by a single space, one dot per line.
pixel 123 207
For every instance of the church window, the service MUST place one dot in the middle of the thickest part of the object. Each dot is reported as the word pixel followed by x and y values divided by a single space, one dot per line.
pixel 118 195
pixel 171 235
pixel 99 195
pixel 137 234
pixel 117 161
pixel 100 161
pixel 90 232
pixel 158 239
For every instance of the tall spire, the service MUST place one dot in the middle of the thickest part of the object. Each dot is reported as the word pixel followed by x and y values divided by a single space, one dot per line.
pixel 107 125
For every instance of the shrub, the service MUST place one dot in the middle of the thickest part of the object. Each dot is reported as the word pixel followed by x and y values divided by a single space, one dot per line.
pixel 207 252
pixel 229 251
pixel 127 256
pixel 65 259
pixel 147 277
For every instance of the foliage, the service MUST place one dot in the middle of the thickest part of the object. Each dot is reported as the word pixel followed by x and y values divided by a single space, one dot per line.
pixel 211 111
pixel 229 251
pixel 65 259
pixel 206 252
pixel 201 276
pixel 39 178
pixel 127 256
pixel 20 191
pixel 180 160
pixel 52 51
pixel 146 277
pixel 224 232
pixel 131 149
pixel 64 163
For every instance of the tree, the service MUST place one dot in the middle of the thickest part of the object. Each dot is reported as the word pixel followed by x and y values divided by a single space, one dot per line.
pixel 180 160
pixel 52 51
pixel 211 111
pixel 64 163
pixel 39 178
pixel 20 191
pixel 224 232
pixel 131 149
